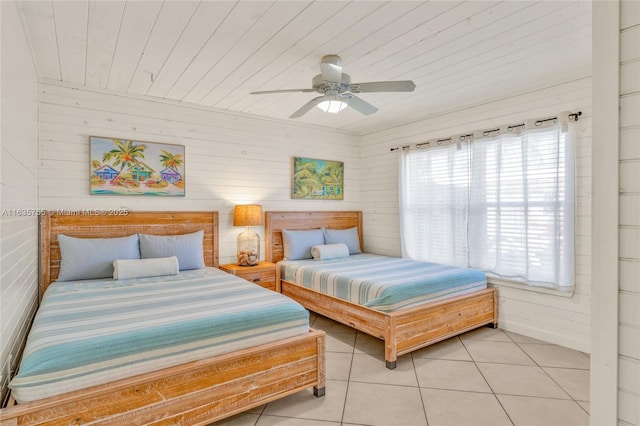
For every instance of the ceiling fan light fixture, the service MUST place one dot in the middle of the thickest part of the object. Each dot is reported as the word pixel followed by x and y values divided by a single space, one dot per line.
pixel 333 106
pixel 338 92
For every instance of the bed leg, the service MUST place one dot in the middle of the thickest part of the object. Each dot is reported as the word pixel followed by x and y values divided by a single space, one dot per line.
pixel 390 364
pixel 318 392
pixel 492 325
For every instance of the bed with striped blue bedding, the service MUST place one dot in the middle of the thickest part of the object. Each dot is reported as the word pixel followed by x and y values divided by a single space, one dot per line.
pixel 96 331
pixel 383 283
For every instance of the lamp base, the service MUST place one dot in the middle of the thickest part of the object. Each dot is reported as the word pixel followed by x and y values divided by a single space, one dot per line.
pixel 248 248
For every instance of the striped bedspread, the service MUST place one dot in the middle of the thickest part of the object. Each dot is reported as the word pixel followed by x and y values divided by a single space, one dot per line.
pixel 96 331
pixel 384 283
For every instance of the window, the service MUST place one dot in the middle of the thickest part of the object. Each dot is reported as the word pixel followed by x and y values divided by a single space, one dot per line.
pixel 503 204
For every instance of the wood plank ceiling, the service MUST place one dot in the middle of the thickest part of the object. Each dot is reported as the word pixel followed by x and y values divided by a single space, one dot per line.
pixel 213 53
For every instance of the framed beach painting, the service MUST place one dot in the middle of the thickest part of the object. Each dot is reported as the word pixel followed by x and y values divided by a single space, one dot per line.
pixel 314 179
pixel 130 167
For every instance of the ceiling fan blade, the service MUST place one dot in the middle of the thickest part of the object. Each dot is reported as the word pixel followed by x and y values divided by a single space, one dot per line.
pixel 383 86
pixel 306 107
pixel 331 68
pixel 265 92
pixel 361 105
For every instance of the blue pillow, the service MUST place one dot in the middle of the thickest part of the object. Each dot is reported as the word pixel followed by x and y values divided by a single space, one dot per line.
pixel 188 248
pixel 347 236
pixel 90 258
pixel 297 244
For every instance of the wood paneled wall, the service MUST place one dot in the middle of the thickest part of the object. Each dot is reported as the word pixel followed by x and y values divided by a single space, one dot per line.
pixel 230 159
pixel 549 317
pixel 629 208
pixel 239 159
pixel 18 190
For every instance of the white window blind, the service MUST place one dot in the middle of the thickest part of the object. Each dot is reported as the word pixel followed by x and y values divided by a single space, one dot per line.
pixel 502 204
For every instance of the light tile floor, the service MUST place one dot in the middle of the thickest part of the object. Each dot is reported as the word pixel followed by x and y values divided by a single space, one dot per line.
pixel 483 377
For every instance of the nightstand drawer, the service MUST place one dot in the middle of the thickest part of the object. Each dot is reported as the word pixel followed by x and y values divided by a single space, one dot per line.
pixel 263 278
pixel 263 274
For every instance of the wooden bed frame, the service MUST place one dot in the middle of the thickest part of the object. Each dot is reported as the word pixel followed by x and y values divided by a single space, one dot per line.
pixel 404 330
pixel 198 392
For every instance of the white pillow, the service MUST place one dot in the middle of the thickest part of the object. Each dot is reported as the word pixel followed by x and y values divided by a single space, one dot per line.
pixel 330 251
pixel 124 269
pixel 188 248
pixel 91 258
pixel 297 243
pixel 348 236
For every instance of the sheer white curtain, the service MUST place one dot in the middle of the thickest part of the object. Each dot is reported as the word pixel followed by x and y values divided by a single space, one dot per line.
pixel 434 192
pixel 503 204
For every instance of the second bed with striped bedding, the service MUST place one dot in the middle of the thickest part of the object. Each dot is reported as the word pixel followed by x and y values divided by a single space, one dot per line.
pixel 383 283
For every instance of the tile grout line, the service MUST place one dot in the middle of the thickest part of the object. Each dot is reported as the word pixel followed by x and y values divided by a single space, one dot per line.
pixel 545 372
pixel 486 381
pixel 415 373
pixel 346 392
pixel 553 380
pixel 571 398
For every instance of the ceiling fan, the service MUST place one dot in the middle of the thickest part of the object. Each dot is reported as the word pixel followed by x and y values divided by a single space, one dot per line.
pixel 338 91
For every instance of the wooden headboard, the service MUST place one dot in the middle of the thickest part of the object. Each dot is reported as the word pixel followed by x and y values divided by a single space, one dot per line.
pixel 104 226
pixel 275 222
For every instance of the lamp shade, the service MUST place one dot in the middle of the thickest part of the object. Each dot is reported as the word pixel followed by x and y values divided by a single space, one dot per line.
pixel 247 215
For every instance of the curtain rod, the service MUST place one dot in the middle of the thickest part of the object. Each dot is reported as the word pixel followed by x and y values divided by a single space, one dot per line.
pixel 568 116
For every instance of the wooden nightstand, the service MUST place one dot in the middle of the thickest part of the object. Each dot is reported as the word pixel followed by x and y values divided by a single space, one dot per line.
pixel 263 274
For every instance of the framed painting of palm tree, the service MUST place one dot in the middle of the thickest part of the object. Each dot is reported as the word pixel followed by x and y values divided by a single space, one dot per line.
pixel 314 179
pixel 130 167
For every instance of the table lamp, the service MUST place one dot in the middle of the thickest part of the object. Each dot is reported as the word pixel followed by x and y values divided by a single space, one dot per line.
pixel 248 241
